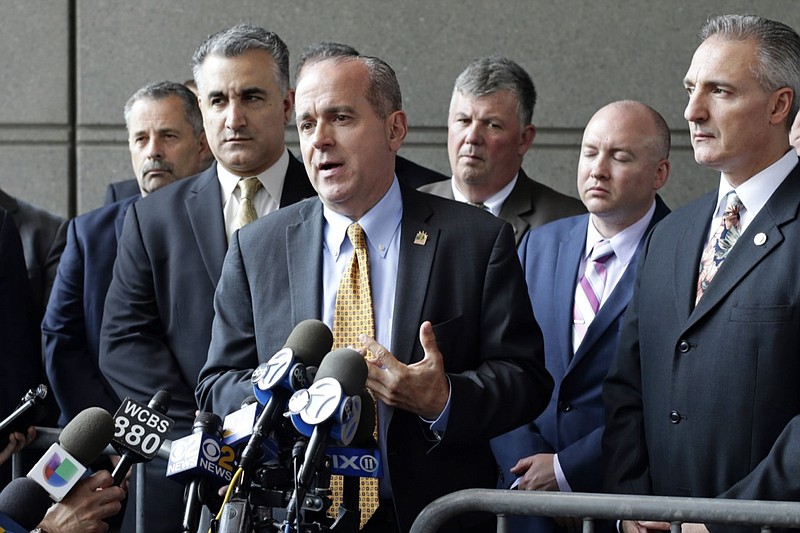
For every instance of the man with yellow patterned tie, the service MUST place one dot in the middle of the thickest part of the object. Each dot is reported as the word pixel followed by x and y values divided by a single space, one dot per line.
pixel 456 357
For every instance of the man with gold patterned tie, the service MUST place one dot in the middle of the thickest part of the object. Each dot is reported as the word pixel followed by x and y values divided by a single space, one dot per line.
pixel 157 319
pixel 455 357
pixel 701 399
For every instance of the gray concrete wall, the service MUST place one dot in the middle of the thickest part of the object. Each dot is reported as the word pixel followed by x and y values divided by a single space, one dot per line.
pixel 69 65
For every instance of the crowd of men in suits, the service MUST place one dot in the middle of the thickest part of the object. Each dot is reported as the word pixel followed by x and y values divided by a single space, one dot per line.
pixel 522 339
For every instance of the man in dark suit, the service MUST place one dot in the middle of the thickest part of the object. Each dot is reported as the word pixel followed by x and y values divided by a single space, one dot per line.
pixel 158 313
pixel 622 164
pixel 477 368
pixel 167 143
pixel 489 130
pixel 43 236
pixel 20 364
pixel 701 398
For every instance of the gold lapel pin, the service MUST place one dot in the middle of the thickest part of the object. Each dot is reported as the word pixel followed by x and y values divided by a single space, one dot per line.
pixel 421 238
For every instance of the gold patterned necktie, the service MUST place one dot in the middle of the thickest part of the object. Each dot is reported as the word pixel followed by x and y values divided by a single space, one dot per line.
pixel 248 187
pixel 720 244
pixel 352 316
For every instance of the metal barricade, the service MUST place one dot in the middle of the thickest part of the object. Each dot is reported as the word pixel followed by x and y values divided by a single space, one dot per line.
pixel 45 437
pixel 590 507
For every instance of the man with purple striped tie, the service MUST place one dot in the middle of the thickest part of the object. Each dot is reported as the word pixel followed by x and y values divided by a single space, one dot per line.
pixel 580 274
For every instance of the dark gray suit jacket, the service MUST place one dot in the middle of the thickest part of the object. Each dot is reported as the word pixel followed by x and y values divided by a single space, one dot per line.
pixel 702 401
pixel 159 308
pixel 529 205
pixel 43 236
pixel 472 291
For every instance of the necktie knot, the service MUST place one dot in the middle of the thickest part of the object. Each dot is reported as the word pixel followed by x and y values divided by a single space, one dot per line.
pixel 356 235
pixel 602 251
pixel 248 187
pixel 732 208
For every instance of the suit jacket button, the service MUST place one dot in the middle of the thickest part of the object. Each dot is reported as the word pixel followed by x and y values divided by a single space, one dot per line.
pixel 566 407
pixel 674 417
pixel 683 346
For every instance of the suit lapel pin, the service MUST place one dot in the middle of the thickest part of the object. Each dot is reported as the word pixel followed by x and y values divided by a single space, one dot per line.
pixel 421 238
pixel 760 239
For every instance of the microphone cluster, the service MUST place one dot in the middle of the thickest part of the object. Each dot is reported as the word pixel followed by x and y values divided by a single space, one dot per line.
pixel 309 408
pixel 137 435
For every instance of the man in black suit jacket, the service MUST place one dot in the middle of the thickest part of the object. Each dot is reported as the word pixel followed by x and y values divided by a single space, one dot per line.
pixel 158 313
pixel 43 236
pixel 702 397
pixel 458 342
pixel 489 131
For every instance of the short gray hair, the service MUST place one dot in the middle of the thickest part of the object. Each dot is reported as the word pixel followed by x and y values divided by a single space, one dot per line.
pixel 322 50
pixel 383 89
pixel 488 75
pixel 243 38
pixel 164 89
pixel 778 50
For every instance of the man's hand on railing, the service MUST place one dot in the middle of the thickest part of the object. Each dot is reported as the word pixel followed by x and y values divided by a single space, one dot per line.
pixel 644 526
pixel 537 471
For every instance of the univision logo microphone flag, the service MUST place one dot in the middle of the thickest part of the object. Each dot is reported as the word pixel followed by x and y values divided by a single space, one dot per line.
pixel 57 472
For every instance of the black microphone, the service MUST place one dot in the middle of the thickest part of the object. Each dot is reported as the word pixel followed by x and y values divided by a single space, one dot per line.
pixel 23 504
pixel 29 412
pixel 285 372
pixel 140 431
pixel 289 369
pixel 334 395
pixel 80 443
pixel 203 464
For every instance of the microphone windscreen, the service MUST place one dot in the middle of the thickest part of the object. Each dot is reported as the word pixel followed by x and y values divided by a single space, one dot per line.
pixel 209 423
pixel 310 340
pixel 366 424
pixel 346 366
pixel 25 502
pixel 87 434
pixel 160 401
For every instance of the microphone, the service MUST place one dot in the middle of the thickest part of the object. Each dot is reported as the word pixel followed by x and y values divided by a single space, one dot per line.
pixel 291 368
pixel 139 431
pixel 23 504
pixel 285 372
pixel 332 405
pixel 80 443
pixel 29 412
pixel 202 463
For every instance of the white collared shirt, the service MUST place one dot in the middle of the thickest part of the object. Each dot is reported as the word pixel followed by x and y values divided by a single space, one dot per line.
pixel 267 199
pixel 753 193
pixel 495 202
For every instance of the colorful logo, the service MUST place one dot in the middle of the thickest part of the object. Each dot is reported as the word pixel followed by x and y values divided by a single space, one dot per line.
pixel 58 472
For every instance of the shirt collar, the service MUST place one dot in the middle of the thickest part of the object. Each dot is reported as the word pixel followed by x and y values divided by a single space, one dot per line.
pixel 379 223
pixel 755 192
pixel 495 202
pixel 626 241
pixel 272 178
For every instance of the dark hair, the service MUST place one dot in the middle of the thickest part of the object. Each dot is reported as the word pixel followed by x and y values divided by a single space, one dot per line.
pixel 243 38
pixel 164 89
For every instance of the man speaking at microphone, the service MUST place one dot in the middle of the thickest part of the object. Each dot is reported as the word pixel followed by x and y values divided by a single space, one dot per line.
pixel 431 287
